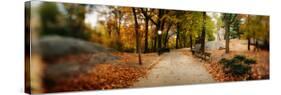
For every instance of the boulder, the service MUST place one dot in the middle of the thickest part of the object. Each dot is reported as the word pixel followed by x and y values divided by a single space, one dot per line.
pixel 56 46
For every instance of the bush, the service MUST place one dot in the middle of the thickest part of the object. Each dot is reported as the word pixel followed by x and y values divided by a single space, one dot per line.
pixel 223 61
pixel 57 46
pixel 238 65
pixel 240 57
pixel 239 69
pixel 249 61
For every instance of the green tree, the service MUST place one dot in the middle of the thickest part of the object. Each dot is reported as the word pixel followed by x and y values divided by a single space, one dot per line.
pixel 69 22
pixel 210 29
pixel 49 14
pixel 75 20
pixel 256 28
pixel 228 20
pixel 194 26
pixel 203 34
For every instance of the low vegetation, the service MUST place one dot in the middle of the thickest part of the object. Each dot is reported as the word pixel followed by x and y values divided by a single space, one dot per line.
pixel 238 65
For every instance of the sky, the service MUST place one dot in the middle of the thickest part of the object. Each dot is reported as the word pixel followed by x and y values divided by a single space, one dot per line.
pixel 91 19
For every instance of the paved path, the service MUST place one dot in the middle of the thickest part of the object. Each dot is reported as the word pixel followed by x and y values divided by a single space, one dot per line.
pixel 175 68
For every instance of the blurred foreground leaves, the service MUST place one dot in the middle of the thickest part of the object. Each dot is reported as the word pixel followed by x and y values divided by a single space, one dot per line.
pixel 103 76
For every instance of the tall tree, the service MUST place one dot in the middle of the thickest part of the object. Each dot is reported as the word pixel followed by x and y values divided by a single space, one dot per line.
pixel 193 24
pixel 75 20
pixel 147 17
pixel 167 35
pixel 159 26
pixel 203 34
pixel 228 20
pixel 256 28
pixel 159 23
pixel 118 18
pixel 137 35
pixel 178 21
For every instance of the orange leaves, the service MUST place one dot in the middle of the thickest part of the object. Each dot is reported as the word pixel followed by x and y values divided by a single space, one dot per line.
pixel 260 70
pixel 103 76
pixel 119 73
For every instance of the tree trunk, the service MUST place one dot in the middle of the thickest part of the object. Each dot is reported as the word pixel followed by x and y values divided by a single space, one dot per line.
pixel 256 45
pixel 184 40
pixel 157 37
pixel 166 36
pixel 227 38
pixel 144 12
pixel 178 36
pixel 137 36
pixel 155 41
pixel 117 29
pixel 159 40
pixel 162 24
pixel 146 36
pixel 249 43
pixel 229 19
pixel 203 34
pixel 190 39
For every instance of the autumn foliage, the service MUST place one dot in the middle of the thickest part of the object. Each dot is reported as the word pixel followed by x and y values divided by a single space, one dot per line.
pixel 104 76
pixel 95 47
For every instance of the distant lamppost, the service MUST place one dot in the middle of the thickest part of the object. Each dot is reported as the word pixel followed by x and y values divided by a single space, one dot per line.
pixel 243 20
pixel 159 32
pixel 159 40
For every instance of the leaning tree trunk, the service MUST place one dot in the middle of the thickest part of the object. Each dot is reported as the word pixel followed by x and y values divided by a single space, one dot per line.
pixel 167 35
pixel 156 37
pixel 137 36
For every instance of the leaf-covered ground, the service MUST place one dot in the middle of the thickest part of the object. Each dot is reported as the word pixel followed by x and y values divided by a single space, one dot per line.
pixel 121 70
pixel 120 73
pixel 104 76
pixel 260 70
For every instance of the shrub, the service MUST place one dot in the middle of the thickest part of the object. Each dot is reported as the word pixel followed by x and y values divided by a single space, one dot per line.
pixel 240 57
pixel 238 65
pixel 239 69
pixel 249 61
pixel 223 61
